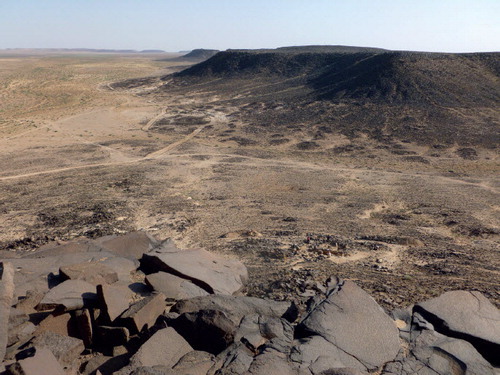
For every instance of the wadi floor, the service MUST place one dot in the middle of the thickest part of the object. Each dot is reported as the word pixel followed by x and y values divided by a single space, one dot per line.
pixel 79 158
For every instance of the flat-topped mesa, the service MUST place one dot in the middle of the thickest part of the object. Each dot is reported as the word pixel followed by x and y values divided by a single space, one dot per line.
pixel 371 75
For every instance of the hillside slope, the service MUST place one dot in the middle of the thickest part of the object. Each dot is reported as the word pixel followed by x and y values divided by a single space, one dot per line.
pixel 422 97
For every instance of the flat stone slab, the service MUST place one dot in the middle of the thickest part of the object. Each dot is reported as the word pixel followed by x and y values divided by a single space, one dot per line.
pixel 42 363
pixel 92 272
pixel 352 321
pixel 21 333
pixel 209 271
pixel 37 273
pixel 166 347
pixel 114 299
pixel 122 266
pixel 66 349
pixel 61 323
pixel 27 303
pixel 317 353
pixel 195 363
pixel 131 245
pixel 174 287
pixel 468 316
pixel 431 353
pixel 144 313
pixel 78 246
pixel 235 307
pixel 71 294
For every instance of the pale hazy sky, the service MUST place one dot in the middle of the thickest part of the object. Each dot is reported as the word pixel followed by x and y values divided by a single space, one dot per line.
pixel 173 25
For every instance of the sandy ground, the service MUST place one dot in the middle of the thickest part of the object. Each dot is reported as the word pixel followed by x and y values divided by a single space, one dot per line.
pixel 81 159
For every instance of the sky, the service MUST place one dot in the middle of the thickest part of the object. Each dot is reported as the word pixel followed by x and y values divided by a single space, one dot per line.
pixel 180 25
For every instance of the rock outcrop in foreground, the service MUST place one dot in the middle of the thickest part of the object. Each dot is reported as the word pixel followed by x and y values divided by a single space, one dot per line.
pixel 134 305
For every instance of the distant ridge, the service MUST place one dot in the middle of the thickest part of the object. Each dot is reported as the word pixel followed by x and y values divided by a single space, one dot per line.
pixel 93 50
pixel 316 49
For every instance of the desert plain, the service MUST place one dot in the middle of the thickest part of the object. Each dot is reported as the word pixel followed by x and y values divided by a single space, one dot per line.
pixel 96 144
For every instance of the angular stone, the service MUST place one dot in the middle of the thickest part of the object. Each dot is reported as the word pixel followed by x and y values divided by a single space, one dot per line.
pixel 112 336
pixel 468 316
pixel 58 322
pixel 209 271
pixel 114 299
pixel 271 362
pixel 42 363
pixel 65 349
pixel 236 359
pixel 449 354
pixel 255 331
pixel 27 303
pixel 120 349
pixel 83 321
pixel 194 363
pixel 105 364
pixel 7 288
pixel 122 266
pixel 351 320
pixel 17 317
pixel 71 294
pixel 156 370
pixel 144 313
pixel 166 347
pixel 316 352
pixel 206 330
pixel 92 272
pixel 131 245
pixel 432 353
pixel 39 273
pixel 236 308
pixel 174 287
pixel 78 246
pixel 21 333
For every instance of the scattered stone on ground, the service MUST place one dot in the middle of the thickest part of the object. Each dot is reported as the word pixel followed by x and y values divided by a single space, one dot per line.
pixel 185 320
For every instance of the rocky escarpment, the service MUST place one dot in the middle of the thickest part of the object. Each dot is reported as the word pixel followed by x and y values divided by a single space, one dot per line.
pixel 415 96
pixel 393 77
pixel 134 305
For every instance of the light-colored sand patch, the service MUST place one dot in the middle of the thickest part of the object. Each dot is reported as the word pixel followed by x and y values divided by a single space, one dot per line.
pixel 379 207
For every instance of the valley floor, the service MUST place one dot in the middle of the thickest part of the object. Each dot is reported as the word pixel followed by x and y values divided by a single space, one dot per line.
pixel 405 221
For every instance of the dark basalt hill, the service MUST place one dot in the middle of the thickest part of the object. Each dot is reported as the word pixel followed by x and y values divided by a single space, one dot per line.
pixel 420 97
pixel 367 74
pixel 427 98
